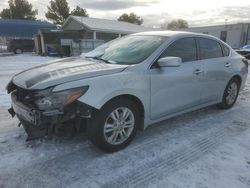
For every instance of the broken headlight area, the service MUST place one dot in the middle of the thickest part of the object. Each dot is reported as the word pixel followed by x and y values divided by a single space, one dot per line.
pixel 49 100
pixel 43 113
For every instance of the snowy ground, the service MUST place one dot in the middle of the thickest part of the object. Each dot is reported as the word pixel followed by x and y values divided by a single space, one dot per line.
pixel 205 148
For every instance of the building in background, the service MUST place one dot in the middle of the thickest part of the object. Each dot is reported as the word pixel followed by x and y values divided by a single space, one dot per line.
pixel 96 31
pixel 57 42
pixel 20 29
pixel 101 29
pixel 82 34
pixel 236 35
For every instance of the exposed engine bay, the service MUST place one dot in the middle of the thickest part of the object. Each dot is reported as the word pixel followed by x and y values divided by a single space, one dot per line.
pixel 40 119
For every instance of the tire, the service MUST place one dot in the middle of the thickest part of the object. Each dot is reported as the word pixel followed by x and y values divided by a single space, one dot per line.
pixel 110 135
pixel 233 86
pixel 18 51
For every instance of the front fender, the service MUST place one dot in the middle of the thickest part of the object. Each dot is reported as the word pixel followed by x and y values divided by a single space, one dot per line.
pixel 104 88
pixel 98 102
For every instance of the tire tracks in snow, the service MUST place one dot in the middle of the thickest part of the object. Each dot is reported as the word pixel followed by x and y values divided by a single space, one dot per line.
pixel 141 174
pixel 18 146
pixel 165 165
pixel 198 136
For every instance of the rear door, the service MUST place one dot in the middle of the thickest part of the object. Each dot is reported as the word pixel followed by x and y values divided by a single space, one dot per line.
pixel 217 68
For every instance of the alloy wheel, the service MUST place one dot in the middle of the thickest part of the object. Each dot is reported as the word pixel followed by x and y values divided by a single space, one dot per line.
pixel 232 92
pixel 119 125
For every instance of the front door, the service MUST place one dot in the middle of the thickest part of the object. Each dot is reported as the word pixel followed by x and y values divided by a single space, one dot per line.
pixel 174 89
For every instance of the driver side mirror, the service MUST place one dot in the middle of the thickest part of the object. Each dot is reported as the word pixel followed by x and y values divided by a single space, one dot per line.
pixel 169 62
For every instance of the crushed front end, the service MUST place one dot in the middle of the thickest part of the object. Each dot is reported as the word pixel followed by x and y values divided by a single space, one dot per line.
pixel 44 112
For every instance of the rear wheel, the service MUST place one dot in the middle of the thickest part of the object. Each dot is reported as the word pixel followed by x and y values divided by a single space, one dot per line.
pixel 230 94
pixel 18 51
pixel 115 125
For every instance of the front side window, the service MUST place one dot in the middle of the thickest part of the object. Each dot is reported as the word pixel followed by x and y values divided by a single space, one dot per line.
pixel 132 49
pixel 184 48
pixel 209 49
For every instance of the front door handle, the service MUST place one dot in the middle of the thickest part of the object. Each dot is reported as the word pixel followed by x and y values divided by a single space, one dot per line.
pixel 227 64
pixel 198 71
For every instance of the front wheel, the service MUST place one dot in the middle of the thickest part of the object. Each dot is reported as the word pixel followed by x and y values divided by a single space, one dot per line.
pixel 230 94
pixel 115 125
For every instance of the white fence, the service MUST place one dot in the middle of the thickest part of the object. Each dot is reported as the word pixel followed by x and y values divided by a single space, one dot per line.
pixel 88 44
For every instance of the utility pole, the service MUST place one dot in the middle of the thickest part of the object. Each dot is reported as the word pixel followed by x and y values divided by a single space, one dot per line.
pixel 226 22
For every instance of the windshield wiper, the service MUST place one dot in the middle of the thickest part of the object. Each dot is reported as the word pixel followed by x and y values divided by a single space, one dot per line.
pixel 104 60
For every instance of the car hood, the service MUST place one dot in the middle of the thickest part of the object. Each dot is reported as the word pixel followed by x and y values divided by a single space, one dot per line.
pixel 62 71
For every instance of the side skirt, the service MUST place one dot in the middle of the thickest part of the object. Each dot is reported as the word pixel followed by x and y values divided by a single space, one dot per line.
pixel 151 122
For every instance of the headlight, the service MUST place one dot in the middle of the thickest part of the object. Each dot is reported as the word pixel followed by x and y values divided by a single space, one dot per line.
pixel 57 100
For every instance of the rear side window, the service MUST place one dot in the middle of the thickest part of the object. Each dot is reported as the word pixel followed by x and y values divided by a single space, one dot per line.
pixel 209 49
pixel 184 48
pixel 225 50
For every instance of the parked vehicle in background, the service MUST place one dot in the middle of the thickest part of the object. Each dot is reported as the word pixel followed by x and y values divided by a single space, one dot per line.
pixel 19 46
pixel 245 51
pixel 126 85
pixel 246 48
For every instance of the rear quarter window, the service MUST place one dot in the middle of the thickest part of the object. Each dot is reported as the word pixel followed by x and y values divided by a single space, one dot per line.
pixel 225 50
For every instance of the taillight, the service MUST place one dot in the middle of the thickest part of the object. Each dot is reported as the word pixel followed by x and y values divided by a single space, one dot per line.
pixel 245 61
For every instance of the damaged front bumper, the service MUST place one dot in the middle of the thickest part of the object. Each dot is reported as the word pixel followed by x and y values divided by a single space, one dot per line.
pixel 39 123
pixel 36 123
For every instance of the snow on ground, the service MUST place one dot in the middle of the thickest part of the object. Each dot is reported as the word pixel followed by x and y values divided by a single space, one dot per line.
pixel 205 148
pixel 17 63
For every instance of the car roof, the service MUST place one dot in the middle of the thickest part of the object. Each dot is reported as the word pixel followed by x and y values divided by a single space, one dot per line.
pixel 173 33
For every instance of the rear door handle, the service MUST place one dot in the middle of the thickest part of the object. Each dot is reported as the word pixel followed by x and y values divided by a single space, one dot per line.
pixel 198 71
pixel 227 64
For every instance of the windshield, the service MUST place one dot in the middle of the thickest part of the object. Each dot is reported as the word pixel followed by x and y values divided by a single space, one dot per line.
pixel 131 49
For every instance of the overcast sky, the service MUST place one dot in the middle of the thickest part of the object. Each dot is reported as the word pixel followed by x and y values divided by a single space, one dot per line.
pixel 155 12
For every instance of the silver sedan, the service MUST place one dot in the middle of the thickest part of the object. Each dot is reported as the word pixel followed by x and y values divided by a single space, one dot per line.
pixel 127 84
